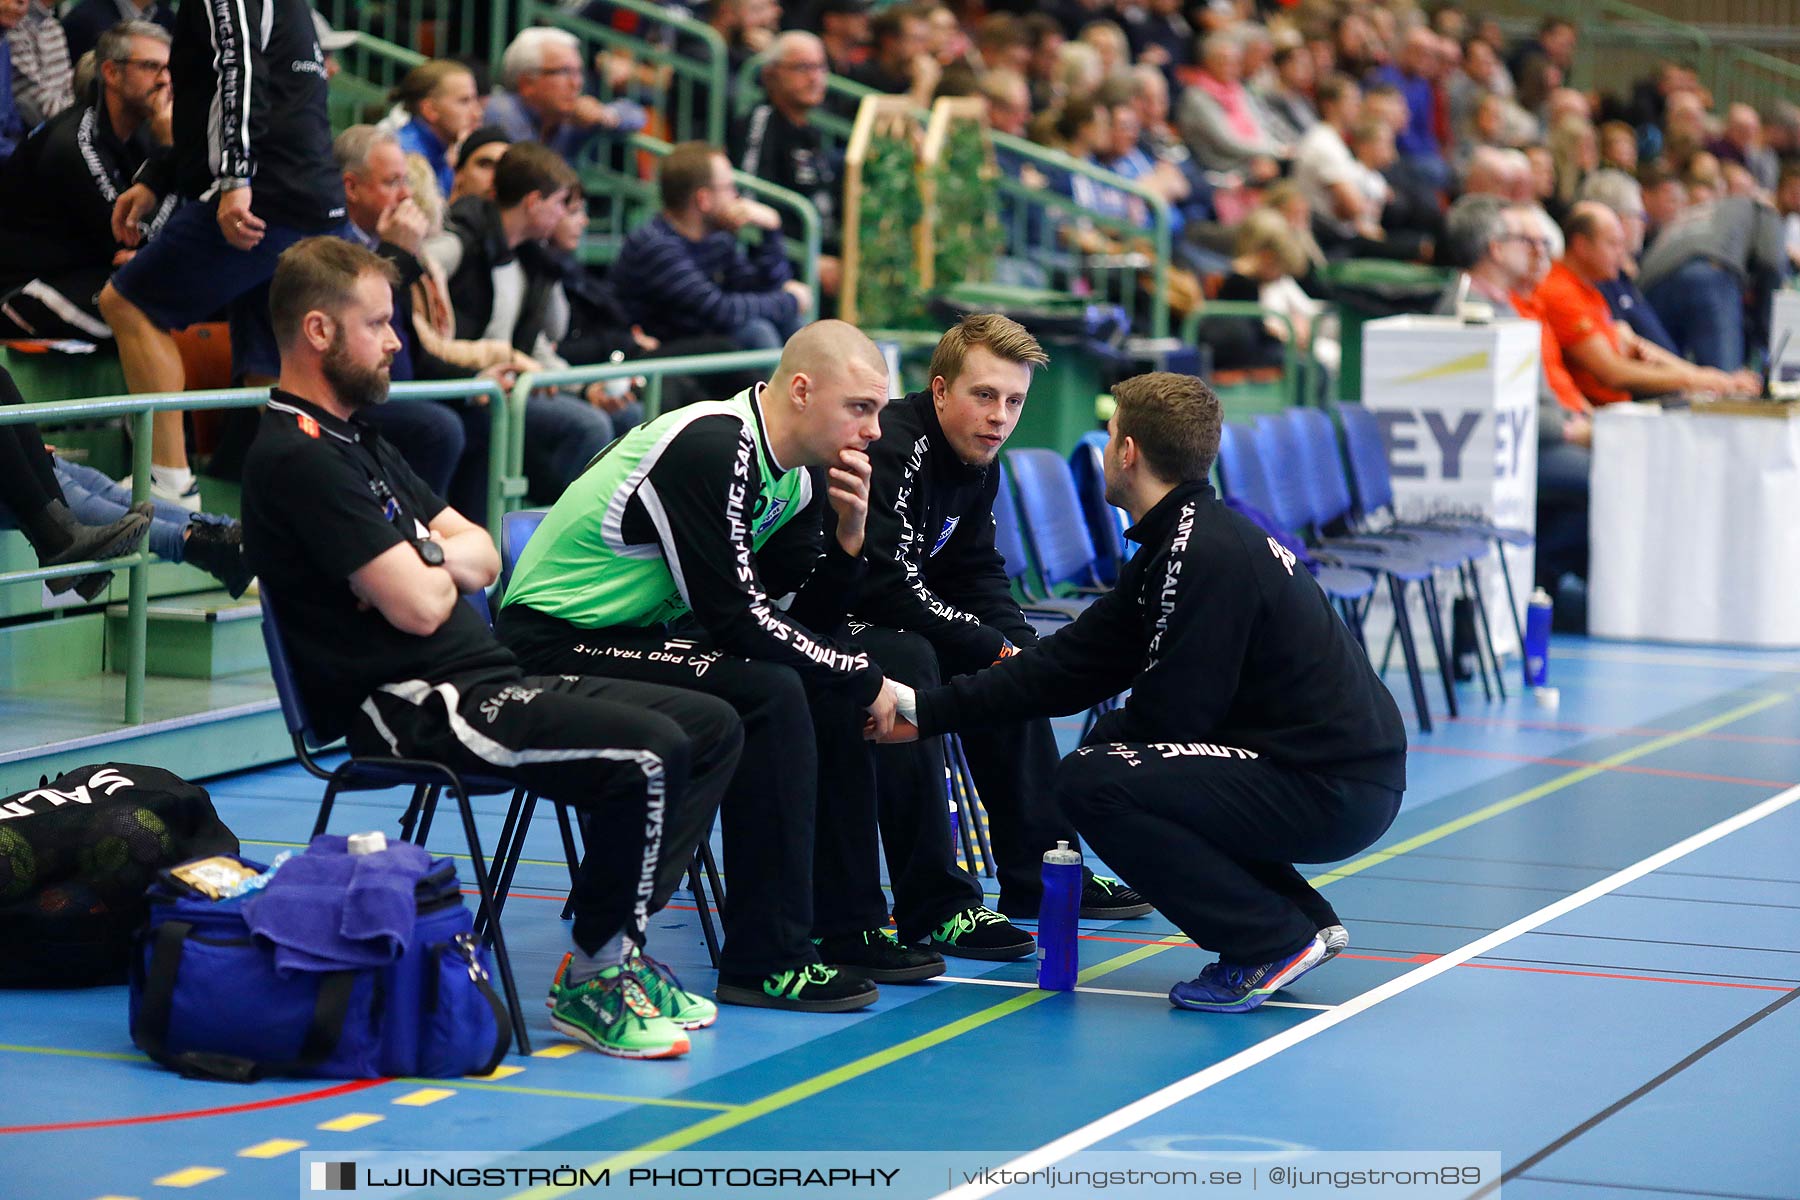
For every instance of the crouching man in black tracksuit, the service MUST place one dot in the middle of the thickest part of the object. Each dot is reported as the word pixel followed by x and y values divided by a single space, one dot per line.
pixel 1256 734
pixel 365 567
pixel 934 573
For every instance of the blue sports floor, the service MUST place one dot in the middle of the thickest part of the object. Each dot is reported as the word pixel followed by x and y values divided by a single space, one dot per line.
pixel 1578 946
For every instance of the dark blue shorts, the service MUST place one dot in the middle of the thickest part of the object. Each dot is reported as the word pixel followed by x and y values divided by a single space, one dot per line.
pixel 188 272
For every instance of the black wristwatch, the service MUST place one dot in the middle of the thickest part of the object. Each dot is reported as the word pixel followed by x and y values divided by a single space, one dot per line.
pixel 429 551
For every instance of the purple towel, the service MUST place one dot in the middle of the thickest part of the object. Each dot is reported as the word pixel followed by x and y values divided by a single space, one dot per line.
pixel 328 910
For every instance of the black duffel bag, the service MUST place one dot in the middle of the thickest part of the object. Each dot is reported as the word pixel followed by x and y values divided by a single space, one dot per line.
pixel 76 855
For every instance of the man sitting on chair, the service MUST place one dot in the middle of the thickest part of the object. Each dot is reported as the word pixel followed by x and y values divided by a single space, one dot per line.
pixel 366 568
pixel 934 573
pixel 1257 734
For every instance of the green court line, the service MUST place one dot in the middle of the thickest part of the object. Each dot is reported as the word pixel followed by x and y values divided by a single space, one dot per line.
pixel 807 1088
pixel 62 1053
pixel 1569 779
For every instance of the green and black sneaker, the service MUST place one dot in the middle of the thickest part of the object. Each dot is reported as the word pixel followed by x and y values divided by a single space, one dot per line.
pixel 611 1013
pixel 982 933
pixel 663 986
pixel 812 987
pixel 876 954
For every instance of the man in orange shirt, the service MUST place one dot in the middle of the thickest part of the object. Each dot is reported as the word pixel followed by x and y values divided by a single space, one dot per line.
pixel 1608 364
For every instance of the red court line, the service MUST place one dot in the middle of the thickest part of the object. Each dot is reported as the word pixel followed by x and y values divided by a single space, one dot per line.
pixel 1425 958
pixel 1626 730
pixel 1628 768
pixel 342 1089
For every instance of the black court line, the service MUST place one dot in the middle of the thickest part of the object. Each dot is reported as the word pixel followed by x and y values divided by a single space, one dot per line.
pixel 1640 1092
pixel 1639 1187
pixel 1700 900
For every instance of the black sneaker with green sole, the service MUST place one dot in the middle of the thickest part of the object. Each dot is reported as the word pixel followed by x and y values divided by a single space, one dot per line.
pixel 981 933
pixel 813 987
pixel 875 954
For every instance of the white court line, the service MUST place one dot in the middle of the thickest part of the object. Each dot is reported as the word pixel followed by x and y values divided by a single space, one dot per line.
pixel 1199 1081
pixel 1098 991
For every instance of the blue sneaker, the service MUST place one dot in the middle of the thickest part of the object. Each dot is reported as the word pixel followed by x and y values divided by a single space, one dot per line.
pixel 1225 987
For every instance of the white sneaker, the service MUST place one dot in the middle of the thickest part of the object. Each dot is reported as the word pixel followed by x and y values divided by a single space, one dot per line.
pixel 1336 939
pixel 189 499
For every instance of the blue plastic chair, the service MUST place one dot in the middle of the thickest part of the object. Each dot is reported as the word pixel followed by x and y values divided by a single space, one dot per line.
pixel 1445 550
pixel 1056 527
pixel 373 773
pixel 1290 506
pixel 516 529
pixel 1369 469
pixel 1009 540
pixel 1106 524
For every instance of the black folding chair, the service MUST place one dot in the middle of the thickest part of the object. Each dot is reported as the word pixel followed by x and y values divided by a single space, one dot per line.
pixel 375 773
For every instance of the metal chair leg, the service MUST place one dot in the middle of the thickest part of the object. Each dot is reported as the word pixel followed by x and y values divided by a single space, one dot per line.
pixel 1403 633
pixel 330 798
pixel 1487 630
pixel 707 928
pixel 1463 573
pixel 1512 601
pixel 973 810
pixel 511 847
pixel 571 854
pixel 1434 615
pixel 426 814
pixel 485 885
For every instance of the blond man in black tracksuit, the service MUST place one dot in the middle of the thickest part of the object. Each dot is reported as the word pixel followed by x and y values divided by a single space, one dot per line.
pixel 1257 735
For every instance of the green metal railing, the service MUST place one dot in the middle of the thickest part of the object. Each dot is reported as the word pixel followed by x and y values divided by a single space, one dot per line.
pixel 652 369
pixel 1035 218
pixel 369 69
pixel 436 30
pixel 631 200
pixel 1295 363
pixel 693 100
pixel 140 411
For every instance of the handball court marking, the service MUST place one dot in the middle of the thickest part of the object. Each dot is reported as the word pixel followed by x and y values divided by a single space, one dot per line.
pixel 806 1089
pixel 1167 1097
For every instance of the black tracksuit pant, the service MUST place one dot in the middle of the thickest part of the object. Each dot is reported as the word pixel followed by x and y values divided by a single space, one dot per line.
pixel 798 817
pixel 1209 834
pixel 1013 766
pixel 648 764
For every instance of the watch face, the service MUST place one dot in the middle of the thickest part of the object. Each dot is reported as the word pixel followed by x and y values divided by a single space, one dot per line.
pixel 431 552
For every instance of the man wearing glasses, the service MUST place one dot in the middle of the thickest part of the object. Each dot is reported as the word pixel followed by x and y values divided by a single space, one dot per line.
pixel 541 99
pixel 57 191
pixel 776 141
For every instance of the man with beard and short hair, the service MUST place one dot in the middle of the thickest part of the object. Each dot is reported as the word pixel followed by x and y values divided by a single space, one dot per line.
pixel 366 568
pixel 1257 734
pixel 937 604
pixel 57 191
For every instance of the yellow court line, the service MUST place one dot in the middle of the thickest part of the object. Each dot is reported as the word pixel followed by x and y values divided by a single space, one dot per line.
pixel 653 1101
pixel 350 1122
pixel 273 1148
pixel 187 1177
pixel 805 1089
pixel 422 1097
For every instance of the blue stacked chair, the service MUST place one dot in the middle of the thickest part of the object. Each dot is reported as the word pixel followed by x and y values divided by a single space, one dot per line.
pixel 1106 524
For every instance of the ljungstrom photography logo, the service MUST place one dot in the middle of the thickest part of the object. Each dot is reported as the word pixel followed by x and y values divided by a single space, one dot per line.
pixel 333 1177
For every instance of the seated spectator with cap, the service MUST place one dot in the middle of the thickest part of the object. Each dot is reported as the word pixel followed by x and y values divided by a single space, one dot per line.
pixel 83 24
pixel 778 142
pixel 1610 366
pixel 475 160
pixel 440 96
pixel 690 275
pixel 1711 273
pixel 542 100
pixel 57 192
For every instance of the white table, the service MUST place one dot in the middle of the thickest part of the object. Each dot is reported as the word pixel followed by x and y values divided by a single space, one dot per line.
pixel 1695 527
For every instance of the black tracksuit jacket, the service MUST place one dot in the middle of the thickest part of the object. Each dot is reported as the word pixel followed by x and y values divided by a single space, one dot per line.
pixel 1222 638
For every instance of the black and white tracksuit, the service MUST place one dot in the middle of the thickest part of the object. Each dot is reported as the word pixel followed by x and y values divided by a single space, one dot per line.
pixel 934 573
pixel 1256 735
